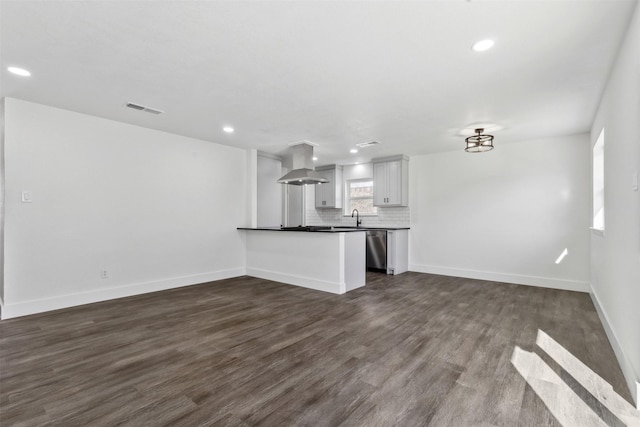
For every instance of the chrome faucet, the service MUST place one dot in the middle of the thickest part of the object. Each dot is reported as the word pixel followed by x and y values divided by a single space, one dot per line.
pixel 358 222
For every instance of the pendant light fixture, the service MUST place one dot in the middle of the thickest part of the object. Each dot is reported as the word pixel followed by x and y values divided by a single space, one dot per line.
pixel 479 142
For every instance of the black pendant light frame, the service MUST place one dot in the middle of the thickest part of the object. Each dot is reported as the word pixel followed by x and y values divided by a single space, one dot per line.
pixel 479 143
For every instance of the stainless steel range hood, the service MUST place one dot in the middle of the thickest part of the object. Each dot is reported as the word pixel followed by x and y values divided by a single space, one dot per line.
pixel 302 172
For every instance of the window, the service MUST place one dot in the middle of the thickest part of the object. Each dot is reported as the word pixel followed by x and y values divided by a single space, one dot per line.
pixel 598 183
pixel 359 195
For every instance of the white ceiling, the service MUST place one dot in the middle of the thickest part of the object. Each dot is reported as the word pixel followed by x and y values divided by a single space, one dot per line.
pixel 335 73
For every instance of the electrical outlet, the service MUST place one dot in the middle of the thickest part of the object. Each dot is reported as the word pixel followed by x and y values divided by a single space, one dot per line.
pixel 26 196
pixel 104 274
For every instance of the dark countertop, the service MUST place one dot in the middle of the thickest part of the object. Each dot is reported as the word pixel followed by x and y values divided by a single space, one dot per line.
pixel 322 229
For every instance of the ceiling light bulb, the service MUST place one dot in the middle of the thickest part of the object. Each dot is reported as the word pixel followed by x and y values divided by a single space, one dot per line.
pixel 228 129
pixel 353 151
pixel 19 71
pixel 315 159
pixel 483 45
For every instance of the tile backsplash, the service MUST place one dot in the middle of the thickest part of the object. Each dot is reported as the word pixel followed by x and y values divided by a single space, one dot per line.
pixel 387 217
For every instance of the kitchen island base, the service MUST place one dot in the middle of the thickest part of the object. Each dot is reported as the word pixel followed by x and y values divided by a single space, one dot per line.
pixel 330 262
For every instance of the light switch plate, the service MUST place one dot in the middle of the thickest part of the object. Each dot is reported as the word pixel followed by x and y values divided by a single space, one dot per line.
pixel 26 196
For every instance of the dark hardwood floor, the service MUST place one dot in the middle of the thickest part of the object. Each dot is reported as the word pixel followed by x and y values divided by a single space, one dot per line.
pixel 408 350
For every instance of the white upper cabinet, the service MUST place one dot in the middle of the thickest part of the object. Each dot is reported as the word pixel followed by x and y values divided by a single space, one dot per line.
pixel 329 195
pixel 391 181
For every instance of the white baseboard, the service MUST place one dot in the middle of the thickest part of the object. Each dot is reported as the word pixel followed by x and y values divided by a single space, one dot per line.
pixel 305 282
pixel 543 282
pixel 630 376
pixel 71 300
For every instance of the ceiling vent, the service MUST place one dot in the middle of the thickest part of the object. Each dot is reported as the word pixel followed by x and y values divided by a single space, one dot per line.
pixel 367 144
pixel 143 108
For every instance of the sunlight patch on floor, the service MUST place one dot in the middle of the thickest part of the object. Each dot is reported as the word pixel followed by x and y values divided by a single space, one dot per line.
pixel 563 402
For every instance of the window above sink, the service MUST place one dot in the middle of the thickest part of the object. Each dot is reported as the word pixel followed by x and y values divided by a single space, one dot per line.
pixel 359 195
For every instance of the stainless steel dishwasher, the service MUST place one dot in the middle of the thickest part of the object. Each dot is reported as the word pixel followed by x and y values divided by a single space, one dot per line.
pixel 377 250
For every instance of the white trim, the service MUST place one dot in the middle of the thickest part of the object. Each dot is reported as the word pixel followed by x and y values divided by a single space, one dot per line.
pixel 269 155
pixel 630 376
pixel 305 282
pixel 597 231
pixel 519 279
pixel 390 158
pixel 71 300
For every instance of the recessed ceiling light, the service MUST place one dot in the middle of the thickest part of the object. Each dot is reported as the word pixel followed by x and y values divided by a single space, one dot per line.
pixel 228 129
pixel 353 151
pixel 19 71
pixel 315 159
pixel 483 45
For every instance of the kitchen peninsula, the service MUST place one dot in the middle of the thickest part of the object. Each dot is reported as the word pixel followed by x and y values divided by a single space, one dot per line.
pixel 329 259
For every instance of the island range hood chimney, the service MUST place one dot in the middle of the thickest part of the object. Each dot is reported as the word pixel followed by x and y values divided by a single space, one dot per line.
pixel 302 172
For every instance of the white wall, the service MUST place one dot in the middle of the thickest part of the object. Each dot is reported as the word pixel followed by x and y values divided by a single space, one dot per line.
pixel 504 215
pixel 1 202
pixel 615 257
pixel 251 188
pixel 294 201
pixel 269 191
pixel 387 217
pixel 155 210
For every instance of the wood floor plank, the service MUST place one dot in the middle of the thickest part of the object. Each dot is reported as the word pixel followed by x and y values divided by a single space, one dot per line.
pixel 414 349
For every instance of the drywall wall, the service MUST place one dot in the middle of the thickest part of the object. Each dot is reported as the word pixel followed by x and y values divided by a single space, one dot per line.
pixel 269 170
pixel 116 209
pixel 504 215
pixel 615 256
pixel 2 201
pixel 251 187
